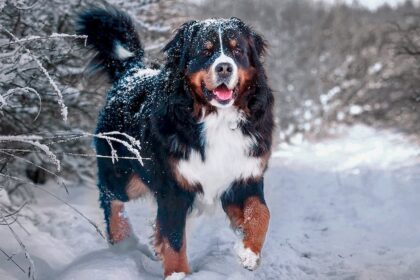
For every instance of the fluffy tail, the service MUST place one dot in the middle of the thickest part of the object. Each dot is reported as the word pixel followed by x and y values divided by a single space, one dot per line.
pixel 113 35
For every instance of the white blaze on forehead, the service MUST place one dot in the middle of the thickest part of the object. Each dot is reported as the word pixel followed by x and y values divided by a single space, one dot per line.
pixel 223 58
pixel 221 41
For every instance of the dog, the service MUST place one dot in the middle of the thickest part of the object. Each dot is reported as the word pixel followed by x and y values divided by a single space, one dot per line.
pixel 204 122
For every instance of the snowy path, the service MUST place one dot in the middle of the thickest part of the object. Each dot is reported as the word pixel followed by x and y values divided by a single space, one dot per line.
pixel 346 208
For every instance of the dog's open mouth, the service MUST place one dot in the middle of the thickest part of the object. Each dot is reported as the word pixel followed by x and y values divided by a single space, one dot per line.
pixel 223 93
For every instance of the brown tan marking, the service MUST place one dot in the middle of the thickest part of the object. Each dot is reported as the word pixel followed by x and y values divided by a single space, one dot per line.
pixel 119 226
pixel 233 43
pixel 246 76
pixel 136 187
pixel 246 80
pixel 236 216
pixel 173 261
pixel 255 226
pixel 195 81
pixel 208 45
pixel 253 220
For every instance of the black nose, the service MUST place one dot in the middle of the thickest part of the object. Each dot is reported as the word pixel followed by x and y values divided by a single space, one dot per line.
pixel 224 69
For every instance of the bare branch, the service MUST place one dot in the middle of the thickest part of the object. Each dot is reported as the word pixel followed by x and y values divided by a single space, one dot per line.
pixel 59 199
pixel 10 258
pixel 31 273
pixel 52 36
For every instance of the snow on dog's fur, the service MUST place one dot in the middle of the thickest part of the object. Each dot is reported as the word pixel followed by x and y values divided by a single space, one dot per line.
pixel 204 120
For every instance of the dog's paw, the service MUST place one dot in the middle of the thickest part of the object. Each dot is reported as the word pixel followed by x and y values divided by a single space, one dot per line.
pixel 247 258
pixel 176 276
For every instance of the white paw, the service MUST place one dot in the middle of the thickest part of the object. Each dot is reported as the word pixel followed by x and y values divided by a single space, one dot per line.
pixel 176 276
pixel 248 259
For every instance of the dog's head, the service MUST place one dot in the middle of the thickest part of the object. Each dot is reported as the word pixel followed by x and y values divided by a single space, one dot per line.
pixel 218 58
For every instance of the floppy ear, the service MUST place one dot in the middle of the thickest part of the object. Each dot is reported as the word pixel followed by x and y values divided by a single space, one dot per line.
pixel 256 41
pixel 177 49
pixel 259 43
pixel 261 102
pixel 258 48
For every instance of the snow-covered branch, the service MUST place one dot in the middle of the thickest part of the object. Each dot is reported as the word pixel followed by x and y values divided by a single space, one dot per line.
pixel 3 99
pixel 52 36
pixel 32 140
pixel 64 110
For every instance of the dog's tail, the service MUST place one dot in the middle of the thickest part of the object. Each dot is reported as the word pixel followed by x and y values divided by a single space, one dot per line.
pixel 113 35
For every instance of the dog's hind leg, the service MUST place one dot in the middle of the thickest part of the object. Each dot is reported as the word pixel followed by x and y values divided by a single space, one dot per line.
pixel 117 223
pixel 119 226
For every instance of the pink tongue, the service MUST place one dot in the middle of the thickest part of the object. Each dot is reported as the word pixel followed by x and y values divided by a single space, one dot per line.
pixel 223 93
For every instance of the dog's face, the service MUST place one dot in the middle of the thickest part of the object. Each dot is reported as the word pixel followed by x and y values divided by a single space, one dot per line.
pixel 220 57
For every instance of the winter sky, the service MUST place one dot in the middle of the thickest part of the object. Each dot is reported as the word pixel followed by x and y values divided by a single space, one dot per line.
pixel 371 4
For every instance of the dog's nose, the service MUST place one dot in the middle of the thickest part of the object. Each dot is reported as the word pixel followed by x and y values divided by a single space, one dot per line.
pixel 224 69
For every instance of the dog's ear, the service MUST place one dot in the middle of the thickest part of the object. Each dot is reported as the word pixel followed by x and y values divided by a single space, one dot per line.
pixel 259 43
pixel 178 48
pixel 261 102
pixel 256 41
pixel 258 48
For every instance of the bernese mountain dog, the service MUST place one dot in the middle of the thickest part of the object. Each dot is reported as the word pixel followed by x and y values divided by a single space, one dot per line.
pixel 204 122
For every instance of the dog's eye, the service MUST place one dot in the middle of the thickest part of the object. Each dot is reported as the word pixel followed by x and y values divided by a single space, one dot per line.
pixel 207 52
pixel 208 48
pixel 237 51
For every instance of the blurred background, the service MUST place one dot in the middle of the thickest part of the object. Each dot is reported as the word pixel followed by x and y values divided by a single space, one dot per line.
pixel 331 64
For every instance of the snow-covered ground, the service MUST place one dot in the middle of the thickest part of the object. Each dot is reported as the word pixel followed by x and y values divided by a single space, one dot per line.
pixel 344 208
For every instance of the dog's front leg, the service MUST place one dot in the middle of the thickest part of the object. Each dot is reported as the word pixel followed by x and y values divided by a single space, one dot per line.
pixel 245 206
pixel 170 240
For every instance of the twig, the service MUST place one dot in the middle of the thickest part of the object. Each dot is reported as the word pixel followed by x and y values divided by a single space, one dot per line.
pixel 31 270
pixel 24 89
pixel 59 179
pixel 73 154
pixel 10 258
pixel 134 147
pixel 16 211
pixel 64 111
pixel 32 140
pixel 52 36
pixel 59 199
pixel 14 219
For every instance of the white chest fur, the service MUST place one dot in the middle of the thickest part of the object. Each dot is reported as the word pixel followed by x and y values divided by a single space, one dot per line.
pixel 227 156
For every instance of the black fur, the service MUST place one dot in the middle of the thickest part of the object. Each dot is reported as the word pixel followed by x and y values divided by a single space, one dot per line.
pixel 106 27
pixel 241 190
pixel 158 110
